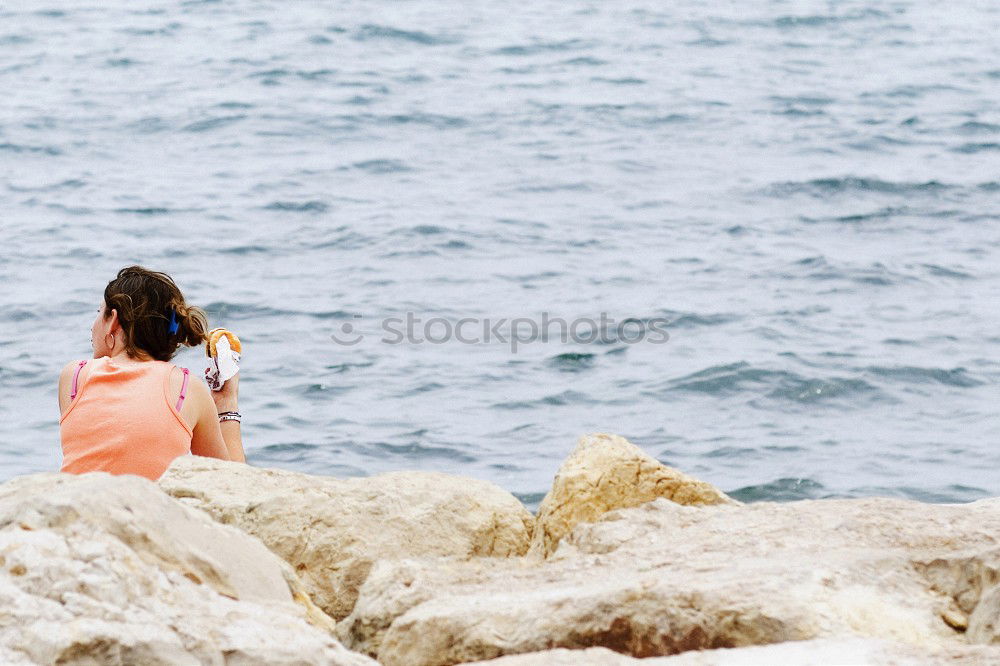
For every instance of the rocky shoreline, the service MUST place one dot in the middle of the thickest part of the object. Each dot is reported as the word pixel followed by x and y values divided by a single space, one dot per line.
pixel 627 562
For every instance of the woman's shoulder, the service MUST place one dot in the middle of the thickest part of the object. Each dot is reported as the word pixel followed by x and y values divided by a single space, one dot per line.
pixel 195 394
pixel 66 375
pixel 175 370
pixel 71 367
pixel 177 378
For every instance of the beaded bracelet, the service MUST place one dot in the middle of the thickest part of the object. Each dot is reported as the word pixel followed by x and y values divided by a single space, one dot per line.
pixel 230 416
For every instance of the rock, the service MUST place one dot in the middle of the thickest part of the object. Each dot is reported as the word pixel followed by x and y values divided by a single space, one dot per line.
pixel 332 530
pixel 663 578
pixel 564 657
pixel 984 623
pixel 820 652
pixel 100 569
pixel 604 473
pixel 837 652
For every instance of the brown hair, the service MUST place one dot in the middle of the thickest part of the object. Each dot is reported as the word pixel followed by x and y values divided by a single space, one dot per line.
pixel 145 301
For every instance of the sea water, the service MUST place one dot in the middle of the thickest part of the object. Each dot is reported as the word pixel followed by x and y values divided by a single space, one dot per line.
pixel 805 195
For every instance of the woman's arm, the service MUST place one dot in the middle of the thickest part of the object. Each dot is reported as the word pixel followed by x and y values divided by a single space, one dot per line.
pixel 65 381
pixel 234 440
pixel 227 400
pixel 207 439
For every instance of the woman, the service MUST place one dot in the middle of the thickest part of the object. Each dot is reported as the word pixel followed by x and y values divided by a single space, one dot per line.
pixel 129 410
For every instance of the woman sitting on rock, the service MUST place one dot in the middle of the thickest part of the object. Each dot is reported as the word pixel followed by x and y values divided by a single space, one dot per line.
pixel 129 410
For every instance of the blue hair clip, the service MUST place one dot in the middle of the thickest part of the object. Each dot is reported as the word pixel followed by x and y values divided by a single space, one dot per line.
pixel 173 322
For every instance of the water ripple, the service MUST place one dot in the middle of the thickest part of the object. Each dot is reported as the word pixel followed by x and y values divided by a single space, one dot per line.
pixel 818 231
pixel 371 32
pixel 823 187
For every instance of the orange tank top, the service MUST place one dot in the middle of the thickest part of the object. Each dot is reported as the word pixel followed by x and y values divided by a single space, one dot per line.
pixel 122 419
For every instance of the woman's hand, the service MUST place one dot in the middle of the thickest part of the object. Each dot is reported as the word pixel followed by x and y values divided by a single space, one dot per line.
pixel 226 398
pixel 225 401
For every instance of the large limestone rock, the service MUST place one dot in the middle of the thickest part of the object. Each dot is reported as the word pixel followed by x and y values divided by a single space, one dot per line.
pixel 96 569
pixel 604 473
pixel 333 530
pixel 819 652
pixel 663 578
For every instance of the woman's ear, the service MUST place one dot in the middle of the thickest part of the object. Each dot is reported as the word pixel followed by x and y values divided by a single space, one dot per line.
pixel 113 324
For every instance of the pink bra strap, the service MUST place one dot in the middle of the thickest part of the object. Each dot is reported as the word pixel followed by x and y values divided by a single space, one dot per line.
pixel 184 386
pixel 76 376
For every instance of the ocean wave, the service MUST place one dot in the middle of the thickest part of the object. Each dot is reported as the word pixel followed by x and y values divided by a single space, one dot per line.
pixel 744 453
pixel 572 361
pixel 209 124
pixel 807 100
pixel 420 230
pixel 819 268
pixel 775 385
pixel 248 310
pixel 304 457
pixel 561 399
pixel 313 206
pixel 805 390
pixel 145 211
pixel 585 61
pixel 530 500
pixel 555 187
pixel 15 40
pixel 320 392
pixel 678 319
pixel 977 127
pixel 972 148
pixel 619 81
pixel 823 187
pixel 543 47
pixel 435 120
pixel 244 250
pixel 795 21
pixel 781 490
pixel 71 183
pixel 885 213
pixel 918 375
pixel 414 450
pixel 121 62
pixel 821 20
pixel 955 493
pixel 913 91
pixel 148 125
pixel 25 149
pixel 371 32
pixel 381 166
pixel 943 271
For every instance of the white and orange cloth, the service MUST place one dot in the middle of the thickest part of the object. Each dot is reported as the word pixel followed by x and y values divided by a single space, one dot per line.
pixel 223 350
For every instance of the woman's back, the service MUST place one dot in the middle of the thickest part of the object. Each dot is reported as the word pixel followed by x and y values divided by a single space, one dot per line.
pixel 123 420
